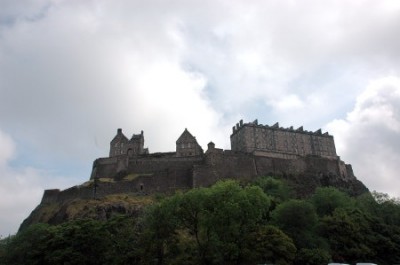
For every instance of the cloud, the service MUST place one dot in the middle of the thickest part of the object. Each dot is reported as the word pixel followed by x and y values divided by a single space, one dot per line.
pixel 7 148
pixel 369 137
pixel 72 72
pixel 21 188
pixel 98 72
pixel 100 65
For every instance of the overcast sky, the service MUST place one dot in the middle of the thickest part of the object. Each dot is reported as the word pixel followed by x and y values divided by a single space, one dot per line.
pixel 72 72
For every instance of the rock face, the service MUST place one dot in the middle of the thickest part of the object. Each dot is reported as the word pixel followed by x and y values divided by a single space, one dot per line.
pixel 99 209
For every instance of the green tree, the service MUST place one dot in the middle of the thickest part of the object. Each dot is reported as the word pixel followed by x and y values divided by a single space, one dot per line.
pixel 268 244
pixel 314 256
pixel 123 236
pixel 158 238
pixel 193 216
pixel 219 218
pixel 327 199
pixel 277 189
pixel 297 219
pixel 388 208
pixel 233 212
pixel 28 246
pixel 78 242
pixel 349 234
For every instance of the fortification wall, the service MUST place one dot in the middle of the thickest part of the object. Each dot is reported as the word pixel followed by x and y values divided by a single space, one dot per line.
pixel 50 196
pixel 145 164
pixel 223 165
pixel 158 182
pixel 168 174
pixel 165 172
pixel 105 167
pixel 150 164
pixel 257 150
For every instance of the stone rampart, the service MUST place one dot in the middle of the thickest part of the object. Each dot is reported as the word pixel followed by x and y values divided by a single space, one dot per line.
pixel 257 150
pixel 148 175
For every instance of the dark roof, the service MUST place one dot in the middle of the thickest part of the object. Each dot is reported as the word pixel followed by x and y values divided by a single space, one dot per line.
pixel 120 136
pixel 185 135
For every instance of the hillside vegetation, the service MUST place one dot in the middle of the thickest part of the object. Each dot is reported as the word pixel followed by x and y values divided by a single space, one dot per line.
pixel 228 223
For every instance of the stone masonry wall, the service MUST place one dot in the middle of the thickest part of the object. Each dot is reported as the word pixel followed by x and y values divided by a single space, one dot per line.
pixel 252 137
pixel 168 174
pixel 257 150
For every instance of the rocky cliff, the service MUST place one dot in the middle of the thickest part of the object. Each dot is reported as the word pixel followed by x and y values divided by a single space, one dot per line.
pixel 98 209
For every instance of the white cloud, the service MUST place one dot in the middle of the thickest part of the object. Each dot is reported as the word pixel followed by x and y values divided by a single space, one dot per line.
pixel 72 72
pixel 369 137
pixel 288 103
pixel 21 188
pixel 7 148
pixel 105 70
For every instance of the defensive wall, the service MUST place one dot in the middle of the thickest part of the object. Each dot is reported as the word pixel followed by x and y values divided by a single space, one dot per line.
pixel 163 175
pixel 190 168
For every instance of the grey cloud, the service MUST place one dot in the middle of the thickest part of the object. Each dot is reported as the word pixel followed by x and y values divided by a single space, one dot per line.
pixel 21 189
pixel 72 72
pixel 369 136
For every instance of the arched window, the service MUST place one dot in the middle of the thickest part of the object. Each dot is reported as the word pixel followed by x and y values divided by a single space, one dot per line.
pixel 130 152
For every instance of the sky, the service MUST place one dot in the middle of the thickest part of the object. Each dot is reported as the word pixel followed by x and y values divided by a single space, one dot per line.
pixel 73 71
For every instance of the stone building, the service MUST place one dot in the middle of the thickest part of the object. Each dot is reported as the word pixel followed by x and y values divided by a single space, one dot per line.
pixel 281 142
pixel 187 145
pixel 307 158
pixel 120 145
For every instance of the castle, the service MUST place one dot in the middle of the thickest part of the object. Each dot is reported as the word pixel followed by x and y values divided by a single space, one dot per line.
pixel 279 142
pixel 256 150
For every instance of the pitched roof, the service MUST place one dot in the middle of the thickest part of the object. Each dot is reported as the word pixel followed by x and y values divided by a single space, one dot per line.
pixel 120 136
pixel 185 136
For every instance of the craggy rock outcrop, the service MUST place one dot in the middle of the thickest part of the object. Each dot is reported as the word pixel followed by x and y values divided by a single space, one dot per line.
pixel 98 209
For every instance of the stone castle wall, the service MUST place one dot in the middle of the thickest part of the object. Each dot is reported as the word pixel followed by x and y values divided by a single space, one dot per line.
pixel 168 175
pixel 257 150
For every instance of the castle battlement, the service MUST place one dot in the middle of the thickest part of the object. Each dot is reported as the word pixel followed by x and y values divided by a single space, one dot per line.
pixel 276 126
pixel 257 150
pixel 251 137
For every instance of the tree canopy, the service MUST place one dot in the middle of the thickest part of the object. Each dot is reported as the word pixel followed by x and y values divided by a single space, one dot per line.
pixel 227 223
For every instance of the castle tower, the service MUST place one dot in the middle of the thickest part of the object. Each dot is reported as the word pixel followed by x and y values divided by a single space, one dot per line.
pixel 187 145
pixel 136 145
pixel 118 144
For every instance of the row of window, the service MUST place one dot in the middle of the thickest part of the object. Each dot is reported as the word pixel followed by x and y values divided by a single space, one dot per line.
pixel 186 145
